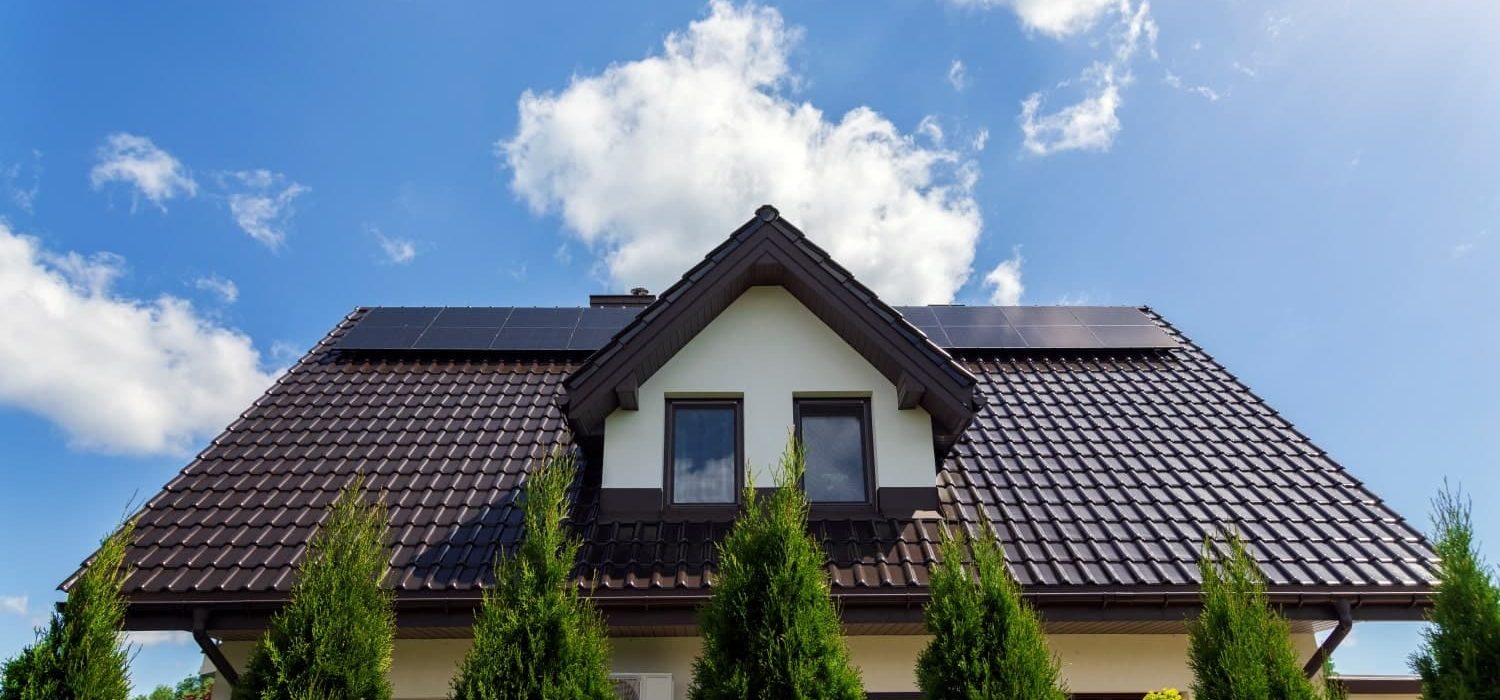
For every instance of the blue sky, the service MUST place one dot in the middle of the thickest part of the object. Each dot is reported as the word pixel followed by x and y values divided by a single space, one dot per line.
pixel 192 194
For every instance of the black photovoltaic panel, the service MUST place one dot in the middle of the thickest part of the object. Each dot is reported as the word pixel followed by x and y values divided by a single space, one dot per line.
pixel 1038 327
pixel 588 329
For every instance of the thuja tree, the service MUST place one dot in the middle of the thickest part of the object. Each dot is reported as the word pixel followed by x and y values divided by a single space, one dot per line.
pixel 79 655
pixel 1460 655
pixel 987 643
pixel 1239 648
pixel 771 629
pixel 333 639
pixel 534 636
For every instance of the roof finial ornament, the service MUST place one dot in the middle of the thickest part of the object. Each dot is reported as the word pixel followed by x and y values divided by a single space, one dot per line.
pixel 767 213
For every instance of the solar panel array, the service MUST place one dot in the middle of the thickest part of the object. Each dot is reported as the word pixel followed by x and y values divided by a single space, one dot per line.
pixel 1038 327
pixel 523 328
pixel 488 328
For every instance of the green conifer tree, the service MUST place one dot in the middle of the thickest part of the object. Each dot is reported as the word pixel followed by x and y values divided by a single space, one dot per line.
pixel 79 656
pixel 771 630
pixel 535 637
pixel 1239 648
pixel 987 643
pixel 1460 654
pixel 333 639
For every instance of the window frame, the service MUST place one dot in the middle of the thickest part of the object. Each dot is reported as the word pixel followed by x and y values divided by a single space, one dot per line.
pixel 738 404
pixel 861 406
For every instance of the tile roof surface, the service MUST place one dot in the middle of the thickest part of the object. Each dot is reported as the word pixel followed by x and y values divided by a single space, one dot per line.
pixel 1098 470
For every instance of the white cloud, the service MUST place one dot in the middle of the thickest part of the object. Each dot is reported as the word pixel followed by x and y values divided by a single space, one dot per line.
pixel 958 75
pixel 115 373
pixel 930 128
pixel 981 139
pixel 136 161
pixel 1092 123
pixel 224 288
pixel 23 196
pixel 710 117
pixel 1174 80
pixel 397 251
pixel 156 638
pixel 1005 280
pixel 14 604
pixel 262 204
pixel 1055 18
pixel 1247 70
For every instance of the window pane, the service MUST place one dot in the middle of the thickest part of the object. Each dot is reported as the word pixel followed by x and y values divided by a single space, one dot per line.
pixel 835 447
pixel 703 454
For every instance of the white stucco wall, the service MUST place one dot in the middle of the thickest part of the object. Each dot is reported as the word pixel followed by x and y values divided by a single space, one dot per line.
pixel 1091 663
pixel 766 348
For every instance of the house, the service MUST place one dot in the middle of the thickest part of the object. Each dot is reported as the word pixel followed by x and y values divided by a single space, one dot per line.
pixel 1100 442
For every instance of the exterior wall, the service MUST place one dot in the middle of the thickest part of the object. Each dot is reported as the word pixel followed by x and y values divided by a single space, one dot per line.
pixel 766 348
pixel 1091 663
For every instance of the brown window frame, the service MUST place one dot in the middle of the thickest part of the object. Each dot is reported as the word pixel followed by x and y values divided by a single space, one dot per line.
pixel 861 408
pixel 738 404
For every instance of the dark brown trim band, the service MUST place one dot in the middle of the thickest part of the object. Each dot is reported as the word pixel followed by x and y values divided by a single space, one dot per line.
pixel 616 504
pixel 1381 685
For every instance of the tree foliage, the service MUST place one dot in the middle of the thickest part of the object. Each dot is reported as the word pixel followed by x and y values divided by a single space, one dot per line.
pixel 1239 648
pixel 771 630
pixel 535 637
pixel 334 637
pixel 987 643
pixel 1460 654
pixel 78 656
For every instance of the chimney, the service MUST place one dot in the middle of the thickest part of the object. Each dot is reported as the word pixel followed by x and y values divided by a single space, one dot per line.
pixel 637 298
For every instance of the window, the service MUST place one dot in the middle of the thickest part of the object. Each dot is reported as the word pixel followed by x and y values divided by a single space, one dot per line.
pixel 835 435
pixel 703 451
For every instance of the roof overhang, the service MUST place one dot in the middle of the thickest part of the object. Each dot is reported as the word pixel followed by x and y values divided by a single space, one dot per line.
pixel 769 251
pixel 1064 610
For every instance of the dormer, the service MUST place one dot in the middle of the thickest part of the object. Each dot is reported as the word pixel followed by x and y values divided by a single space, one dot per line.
pixel 766 337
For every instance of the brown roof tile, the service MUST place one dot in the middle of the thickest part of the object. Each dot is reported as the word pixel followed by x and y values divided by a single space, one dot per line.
pixel 1098 470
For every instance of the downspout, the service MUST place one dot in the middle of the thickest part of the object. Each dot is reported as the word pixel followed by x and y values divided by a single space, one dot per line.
pixel 1325 650
pixel 210 648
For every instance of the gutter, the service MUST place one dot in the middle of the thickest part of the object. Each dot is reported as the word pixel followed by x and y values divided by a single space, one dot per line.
pixel 210 648
pixel 1325 650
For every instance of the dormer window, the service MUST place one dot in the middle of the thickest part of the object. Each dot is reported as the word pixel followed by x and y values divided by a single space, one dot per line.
pixel 835 435
pixel 704 453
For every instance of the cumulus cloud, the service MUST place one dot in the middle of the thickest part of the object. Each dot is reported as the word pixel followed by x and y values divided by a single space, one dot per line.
pixel 261 203
pixel 139 163
pixel 958 75
pixel 1093 122
pixel 14 604
pixel 223 288
pixel 115 373
pixel 1055 18
pixel 1005 280
pixel 652 162
pixel 156 638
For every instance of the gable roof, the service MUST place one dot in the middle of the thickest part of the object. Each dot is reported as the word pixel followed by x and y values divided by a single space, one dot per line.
pixel 1101 471
pixel 767 250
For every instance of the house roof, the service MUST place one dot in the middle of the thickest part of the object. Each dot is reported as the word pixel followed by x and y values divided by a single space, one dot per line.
pixel 1102 470
pixel 769 250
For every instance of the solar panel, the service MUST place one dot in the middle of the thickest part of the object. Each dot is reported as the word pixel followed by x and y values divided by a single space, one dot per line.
pixel 1133 337
pixel 364 337
pixel 400 316
pixel 533 317
pixel 472 317
pixel 612 318
pixel 590 338
pixel 984 337
pixel 588 329
pixel 1112 316
pixel 532 339
pixel 1079 337
pixel 437 338
pixel 1041 316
